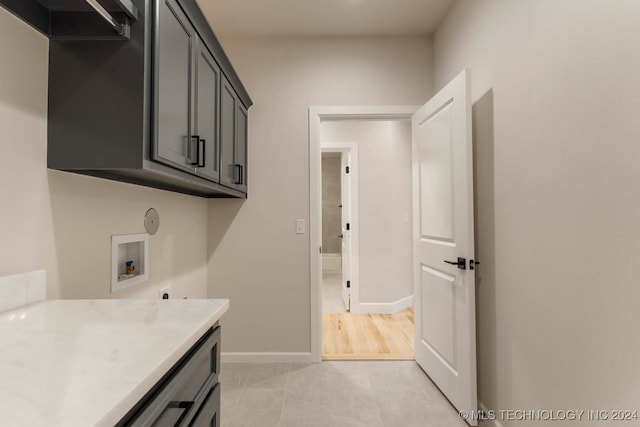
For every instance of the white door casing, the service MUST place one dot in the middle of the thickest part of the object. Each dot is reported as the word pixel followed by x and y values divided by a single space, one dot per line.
pixel 445 339
pixel 345 162
pixel 318 114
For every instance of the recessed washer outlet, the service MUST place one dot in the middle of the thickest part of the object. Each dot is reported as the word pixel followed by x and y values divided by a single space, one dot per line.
pixel 129 260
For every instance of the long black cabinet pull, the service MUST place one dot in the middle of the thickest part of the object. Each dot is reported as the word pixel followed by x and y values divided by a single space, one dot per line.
pixel 201 145
pixel 197 161
pixel 201 162
pixel 239 173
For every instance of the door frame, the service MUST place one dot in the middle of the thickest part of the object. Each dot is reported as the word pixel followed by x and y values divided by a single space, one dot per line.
pixel 317 115
pixel 354 253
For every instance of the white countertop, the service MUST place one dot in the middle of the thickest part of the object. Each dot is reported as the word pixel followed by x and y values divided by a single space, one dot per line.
pixel 87 362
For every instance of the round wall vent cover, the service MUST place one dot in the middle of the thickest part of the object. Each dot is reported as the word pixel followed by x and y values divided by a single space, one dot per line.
pixel 152 221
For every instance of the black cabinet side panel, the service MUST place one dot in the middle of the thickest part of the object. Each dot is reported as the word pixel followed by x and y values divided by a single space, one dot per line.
pixel 98 100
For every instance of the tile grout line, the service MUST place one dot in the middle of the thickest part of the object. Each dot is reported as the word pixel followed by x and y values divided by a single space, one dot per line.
pixel 241 394
pixel 284 396
pixel 375 397
pixel 374 380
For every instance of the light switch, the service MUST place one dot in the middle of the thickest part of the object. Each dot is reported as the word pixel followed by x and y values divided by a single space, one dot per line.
pixel 300 226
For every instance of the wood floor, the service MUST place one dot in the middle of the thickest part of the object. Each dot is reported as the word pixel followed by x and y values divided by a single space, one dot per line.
pixel 347 336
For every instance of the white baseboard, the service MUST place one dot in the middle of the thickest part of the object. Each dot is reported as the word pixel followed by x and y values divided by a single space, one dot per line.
pixel 494 423
pixel 258 357
pixel 382 307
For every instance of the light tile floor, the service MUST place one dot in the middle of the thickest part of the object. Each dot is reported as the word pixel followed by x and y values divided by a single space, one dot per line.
pixel 332 394
pixel 332 293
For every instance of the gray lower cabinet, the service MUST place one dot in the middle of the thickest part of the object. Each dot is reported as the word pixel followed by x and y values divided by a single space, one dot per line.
pixel 233 138
pixel 150 109
pixel 188 395
pixel 209 413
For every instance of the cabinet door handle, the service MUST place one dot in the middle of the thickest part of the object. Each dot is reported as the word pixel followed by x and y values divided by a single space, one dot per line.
pixel 238 170
pixel 196 162
pixel 181 404
pixel 202 161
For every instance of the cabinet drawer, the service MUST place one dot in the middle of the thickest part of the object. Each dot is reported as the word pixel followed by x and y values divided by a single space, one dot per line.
pixel 178 396
pixel 209 413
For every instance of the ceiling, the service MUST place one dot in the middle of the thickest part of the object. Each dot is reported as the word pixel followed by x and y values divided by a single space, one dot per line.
pixel 323 18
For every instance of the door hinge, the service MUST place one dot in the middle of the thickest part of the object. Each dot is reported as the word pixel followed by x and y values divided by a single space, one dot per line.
pixel 347 169
pixel 348 283
pixel 348 226
pixel 320 249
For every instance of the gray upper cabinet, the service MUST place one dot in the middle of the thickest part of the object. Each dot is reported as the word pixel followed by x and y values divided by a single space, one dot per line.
pixel 241 146
pixel 228 107
pixel 163 108
pixel 187 87
pixel 207 114
pixel 233 139
pixel 174 83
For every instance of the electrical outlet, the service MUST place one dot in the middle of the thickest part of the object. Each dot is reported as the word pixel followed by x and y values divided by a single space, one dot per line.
pixel 164 293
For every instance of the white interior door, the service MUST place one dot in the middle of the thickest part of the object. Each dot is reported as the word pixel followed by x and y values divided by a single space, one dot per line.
pixel 346 229
pixel 445 332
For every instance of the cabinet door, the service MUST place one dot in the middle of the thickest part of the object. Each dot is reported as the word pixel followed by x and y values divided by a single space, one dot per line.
pixel 174 102
pixel 187 392
pixel 241 146
pixel 207 88
pixel 233 144
pixel 228 110
pixel 209 413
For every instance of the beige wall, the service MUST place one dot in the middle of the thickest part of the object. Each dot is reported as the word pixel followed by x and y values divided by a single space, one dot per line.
pixel 557 101
pixel 385 208
pixel 63 222
pixel 269 285
pixel 331 201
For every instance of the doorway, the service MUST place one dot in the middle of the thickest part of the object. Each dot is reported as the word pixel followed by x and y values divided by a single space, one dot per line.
pixel 333 256
pixel 379 287
pixel 340 239
pixel 443 235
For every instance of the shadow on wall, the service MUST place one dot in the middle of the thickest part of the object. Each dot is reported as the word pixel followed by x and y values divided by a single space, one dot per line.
pixel 222 213
pixel 484 200
pixel 87 211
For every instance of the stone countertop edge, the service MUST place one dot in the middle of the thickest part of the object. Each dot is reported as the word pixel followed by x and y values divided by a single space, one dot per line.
pixel 88 362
